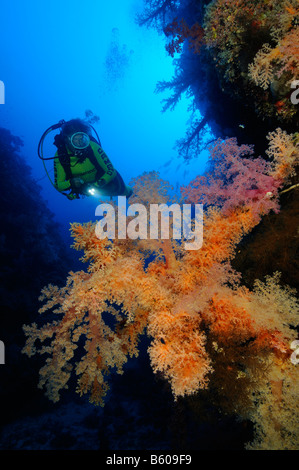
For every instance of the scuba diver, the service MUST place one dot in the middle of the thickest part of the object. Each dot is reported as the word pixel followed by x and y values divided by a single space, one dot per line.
pixel 81 167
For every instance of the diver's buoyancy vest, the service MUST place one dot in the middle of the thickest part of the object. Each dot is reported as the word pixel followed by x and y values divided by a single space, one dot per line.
pixel 64 156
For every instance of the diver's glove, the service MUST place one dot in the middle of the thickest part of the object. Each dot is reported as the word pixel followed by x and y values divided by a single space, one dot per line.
pixel 71 196
pixel 101 183
pixel 76 183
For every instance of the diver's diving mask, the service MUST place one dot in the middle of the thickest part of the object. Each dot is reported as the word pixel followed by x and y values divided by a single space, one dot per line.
pixel 80 140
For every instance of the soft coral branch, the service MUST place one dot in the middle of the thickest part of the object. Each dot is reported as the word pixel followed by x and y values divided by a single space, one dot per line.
pixel 201 322
pixel 235 180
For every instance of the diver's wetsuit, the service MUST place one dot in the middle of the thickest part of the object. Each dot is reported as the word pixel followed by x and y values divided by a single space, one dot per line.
pixel 93 167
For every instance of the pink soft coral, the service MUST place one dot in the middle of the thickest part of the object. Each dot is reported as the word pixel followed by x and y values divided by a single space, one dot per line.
pixel 202 324
pixel 176 297
pixel 235 180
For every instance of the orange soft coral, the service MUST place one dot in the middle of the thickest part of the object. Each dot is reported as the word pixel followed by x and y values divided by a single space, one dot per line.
pixel 170 299
pixel 178 350
pixel 190 303
pixel 271 62
pixel 180 31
